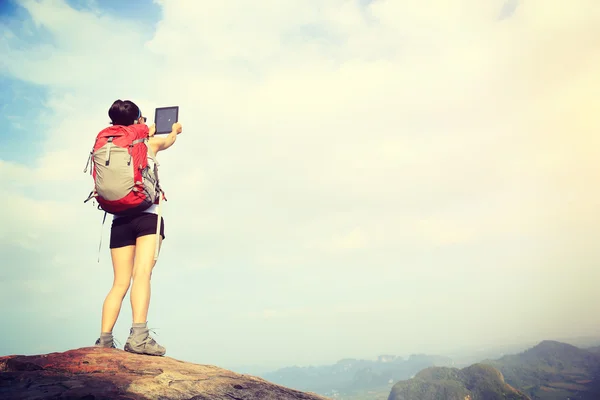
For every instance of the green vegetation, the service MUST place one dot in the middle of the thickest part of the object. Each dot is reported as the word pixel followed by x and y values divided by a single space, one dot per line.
pixel 553 370
pixel 476 382
pixel 381 393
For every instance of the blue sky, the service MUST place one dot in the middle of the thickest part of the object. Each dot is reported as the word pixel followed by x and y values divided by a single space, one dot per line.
pixel 353 178
pixel 146 10
pixel 22 102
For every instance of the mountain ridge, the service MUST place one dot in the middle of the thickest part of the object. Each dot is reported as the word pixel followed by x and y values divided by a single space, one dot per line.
pixel 475 382
pixel 350 374
pixel 553 370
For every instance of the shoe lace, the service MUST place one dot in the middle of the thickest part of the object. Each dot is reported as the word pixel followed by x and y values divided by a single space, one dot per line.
pixel 149 339
pixel 100 341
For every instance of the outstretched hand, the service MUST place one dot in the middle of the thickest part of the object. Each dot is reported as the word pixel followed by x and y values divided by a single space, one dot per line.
pixel 152 130
pixel 176 128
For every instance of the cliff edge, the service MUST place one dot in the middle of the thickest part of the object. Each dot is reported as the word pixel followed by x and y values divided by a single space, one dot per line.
pixel 94 373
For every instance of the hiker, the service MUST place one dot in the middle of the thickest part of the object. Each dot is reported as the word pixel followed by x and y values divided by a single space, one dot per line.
pixel 134 238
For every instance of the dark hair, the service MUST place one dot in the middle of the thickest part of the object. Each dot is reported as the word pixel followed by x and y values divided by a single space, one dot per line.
pixel 123 112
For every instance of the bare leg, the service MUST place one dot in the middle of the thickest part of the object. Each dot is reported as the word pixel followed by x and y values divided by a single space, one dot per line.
pixel 139 340
pixel 142 272
pixel 122 259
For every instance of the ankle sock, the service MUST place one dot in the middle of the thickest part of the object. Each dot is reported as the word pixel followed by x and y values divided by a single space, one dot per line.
pixel 106 337
pixel 139 328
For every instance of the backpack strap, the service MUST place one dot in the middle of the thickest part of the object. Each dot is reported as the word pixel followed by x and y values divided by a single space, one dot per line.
pixel 108 147
pixel 156 165
pixel 89 163
pixel 136 141
pixel 158 223
pixel 152 155
pixel 101 229
pixel 161 196
pixel 91 196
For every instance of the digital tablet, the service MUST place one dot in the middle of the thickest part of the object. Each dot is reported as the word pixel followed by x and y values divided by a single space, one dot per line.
pixel 164 118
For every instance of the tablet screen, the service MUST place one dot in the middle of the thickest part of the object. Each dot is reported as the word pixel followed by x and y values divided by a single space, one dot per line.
pixel 164 119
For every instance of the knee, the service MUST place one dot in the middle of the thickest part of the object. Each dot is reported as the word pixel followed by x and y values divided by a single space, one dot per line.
pixel 120 287
pixel 142 275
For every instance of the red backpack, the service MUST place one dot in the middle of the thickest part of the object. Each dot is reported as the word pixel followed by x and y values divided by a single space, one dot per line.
pixel 124 182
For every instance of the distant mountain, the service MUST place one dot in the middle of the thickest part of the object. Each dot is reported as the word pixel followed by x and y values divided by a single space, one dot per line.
pixel 553 370
pixel 594 349
pixel 476 382
pixel 350 375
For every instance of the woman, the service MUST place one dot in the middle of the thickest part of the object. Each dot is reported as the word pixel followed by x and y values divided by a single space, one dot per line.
pixel 132 247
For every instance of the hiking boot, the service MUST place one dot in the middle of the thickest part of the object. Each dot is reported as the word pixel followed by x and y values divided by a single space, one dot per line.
pixel 101 343
pixel 143 343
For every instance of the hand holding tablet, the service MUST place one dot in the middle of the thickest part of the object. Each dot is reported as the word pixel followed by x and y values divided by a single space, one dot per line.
pixel 165 118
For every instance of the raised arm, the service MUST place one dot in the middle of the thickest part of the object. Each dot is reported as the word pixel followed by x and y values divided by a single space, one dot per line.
pixel 163 143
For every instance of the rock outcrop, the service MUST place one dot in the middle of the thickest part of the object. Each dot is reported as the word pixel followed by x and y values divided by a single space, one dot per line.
pixel 94 373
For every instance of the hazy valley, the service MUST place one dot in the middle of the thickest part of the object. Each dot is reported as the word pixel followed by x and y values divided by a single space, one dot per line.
pixel 548 370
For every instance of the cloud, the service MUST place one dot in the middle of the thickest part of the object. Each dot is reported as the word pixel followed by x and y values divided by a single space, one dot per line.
pixel 394 150
pixel 354 239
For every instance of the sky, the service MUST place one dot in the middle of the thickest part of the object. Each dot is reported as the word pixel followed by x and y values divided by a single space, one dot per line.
pixel 353 178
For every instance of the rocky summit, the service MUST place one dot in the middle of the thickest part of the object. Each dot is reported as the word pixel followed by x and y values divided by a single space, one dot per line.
pixel 94 373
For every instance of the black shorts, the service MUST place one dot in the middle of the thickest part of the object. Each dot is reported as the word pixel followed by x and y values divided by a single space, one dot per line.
pixel 125 230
